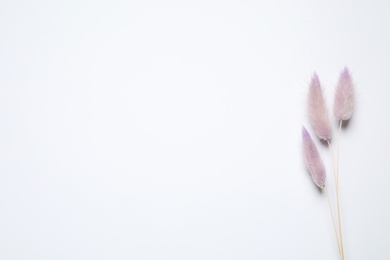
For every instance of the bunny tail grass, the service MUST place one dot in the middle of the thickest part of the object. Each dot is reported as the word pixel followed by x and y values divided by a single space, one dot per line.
pixel 318 113
pixel 343 106
pixel 344 100
pixel 313 160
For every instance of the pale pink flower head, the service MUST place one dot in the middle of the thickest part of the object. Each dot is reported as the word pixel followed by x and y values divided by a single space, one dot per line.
pixel 344 97
pixel 313 160
pixel 318 113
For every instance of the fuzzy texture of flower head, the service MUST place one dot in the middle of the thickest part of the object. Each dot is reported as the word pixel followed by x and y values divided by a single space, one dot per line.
pixel 344 99
pixel 313 160
pixel 318 113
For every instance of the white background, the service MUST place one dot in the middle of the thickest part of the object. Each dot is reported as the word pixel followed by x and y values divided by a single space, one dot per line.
pixel 172 129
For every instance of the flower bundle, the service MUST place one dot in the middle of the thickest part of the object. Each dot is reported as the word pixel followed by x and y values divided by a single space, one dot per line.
pixel 319 120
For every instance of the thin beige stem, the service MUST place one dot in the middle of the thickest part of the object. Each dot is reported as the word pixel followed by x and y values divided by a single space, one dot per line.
pixel 335 172
pixel 334 225
pixel 337 190
pixel 339 220
pixel 338 151
pixel 333 165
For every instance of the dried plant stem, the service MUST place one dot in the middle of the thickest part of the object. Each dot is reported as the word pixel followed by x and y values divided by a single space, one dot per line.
pixel 333 165
pixel 337 189
pixel 338 151
pixel 337 199
pixel 334 225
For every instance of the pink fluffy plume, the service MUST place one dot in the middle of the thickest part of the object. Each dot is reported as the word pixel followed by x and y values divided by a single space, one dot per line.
pixel 318 113
pixel 313 160
pixel 344 97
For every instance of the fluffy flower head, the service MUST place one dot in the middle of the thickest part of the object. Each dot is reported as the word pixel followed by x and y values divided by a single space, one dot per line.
pixel 344 97
pixel 313 160
pixel 318 113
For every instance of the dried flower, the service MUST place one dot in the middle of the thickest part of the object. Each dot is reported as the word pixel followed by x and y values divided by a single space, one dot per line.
pixel 313 160
pixel 318 113
pixel 344 97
